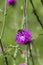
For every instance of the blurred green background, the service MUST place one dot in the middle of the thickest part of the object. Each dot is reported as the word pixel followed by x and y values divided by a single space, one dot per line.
pixel 13 22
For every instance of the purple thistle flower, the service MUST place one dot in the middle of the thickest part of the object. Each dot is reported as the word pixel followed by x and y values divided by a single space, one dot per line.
pixel 22 64
pixel 11 2
pixel 23 36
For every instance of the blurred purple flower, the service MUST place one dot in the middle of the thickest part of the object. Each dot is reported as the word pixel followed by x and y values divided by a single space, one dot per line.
pixel 22 64
pixel 23 36
pixel 24 51
pixel 11 2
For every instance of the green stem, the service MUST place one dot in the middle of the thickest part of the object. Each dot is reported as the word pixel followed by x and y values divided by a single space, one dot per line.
pixel 2 35
pixel 24 26
pixel 42 1
pixel 36 14
pixel 3 27
pixel 24 15
pixel 30 49
pixel 3 52
pixel 27 55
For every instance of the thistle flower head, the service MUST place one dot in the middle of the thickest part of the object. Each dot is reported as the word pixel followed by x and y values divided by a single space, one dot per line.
pixel 22 64
pixel 23 36
pixel 11 2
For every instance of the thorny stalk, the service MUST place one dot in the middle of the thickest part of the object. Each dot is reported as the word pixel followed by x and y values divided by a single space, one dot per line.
pixel 42 1
pixel 34 11
pixel 30 50
pixel 24 26
pixel 6 61
pixel 25 15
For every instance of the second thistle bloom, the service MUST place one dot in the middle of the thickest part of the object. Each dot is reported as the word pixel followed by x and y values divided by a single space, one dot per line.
pixel 23 36
pixel 22 64
pixel 11 2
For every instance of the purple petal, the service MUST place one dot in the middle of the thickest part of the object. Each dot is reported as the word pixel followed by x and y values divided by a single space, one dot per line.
pixel 11 2
pixel 23 36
